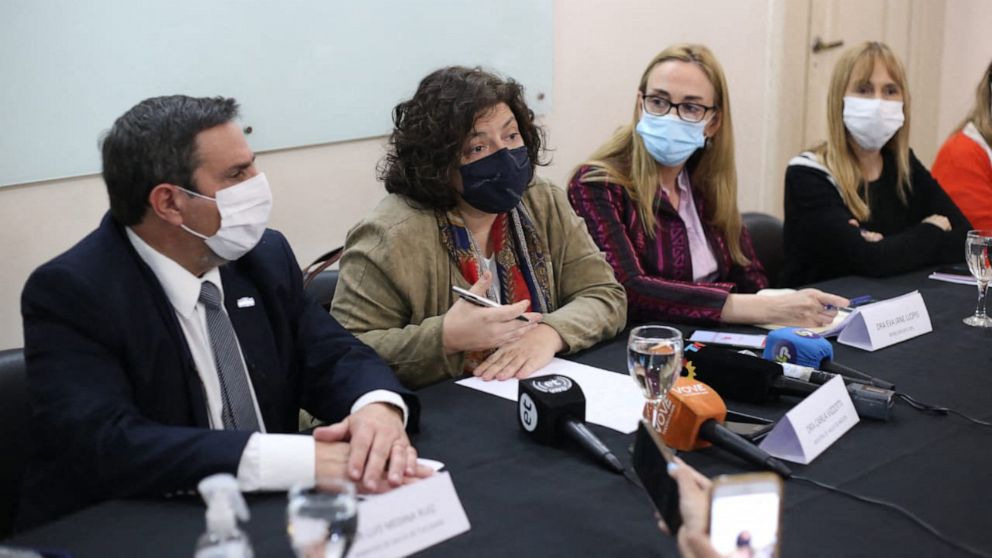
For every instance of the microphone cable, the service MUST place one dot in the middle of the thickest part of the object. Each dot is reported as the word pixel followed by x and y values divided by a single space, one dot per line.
pixel 901 511
pixel 937 410
pixel 911 401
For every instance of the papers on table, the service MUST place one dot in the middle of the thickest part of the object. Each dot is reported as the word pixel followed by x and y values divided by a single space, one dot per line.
pixel 954 278
pixel 612 400
pixel 835 327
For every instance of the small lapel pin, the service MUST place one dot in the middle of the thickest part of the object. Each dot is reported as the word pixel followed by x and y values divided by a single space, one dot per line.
pixel 246 302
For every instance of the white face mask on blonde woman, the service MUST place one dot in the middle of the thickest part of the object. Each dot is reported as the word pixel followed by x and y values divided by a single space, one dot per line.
pixel 872 122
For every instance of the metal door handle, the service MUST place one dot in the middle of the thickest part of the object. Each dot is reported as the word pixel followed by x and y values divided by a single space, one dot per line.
pixel 820 46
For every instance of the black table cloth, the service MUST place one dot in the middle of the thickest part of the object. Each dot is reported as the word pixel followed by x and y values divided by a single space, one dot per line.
pixel 523 499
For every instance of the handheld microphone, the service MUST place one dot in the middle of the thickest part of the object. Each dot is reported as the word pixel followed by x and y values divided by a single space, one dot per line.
pixel 752 380
pixel 552 406
pixel 806 348
pixel 691 417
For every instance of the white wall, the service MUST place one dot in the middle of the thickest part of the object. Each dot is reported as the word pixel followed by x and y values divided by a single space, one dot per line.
pixel 600 50
pixel 967 53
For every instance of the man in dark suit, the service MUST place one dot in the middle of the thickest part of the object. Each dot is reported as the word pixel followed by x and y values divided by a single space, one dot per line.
pixel 175 341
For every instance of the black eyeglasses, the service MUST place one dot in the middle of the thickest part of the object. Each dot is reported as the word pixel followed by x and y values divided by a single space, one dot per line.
pixel 690 112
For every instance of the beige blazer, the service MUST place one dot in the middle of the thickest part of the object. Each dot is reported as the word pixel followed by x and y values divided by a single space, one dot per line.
pixel 396 276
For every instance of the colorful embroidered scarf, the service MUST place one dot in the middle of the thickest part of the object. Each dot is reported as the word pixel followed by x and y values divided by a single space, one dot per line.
pixel 521 263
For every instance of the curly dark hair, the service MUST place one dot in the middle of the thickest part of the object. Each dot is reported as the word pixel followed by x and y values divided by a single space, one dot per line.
pixel 431 128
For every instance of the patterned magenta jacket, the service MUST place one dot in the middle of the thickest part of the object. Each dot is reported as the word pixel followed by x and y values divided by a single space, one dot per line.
pixel 657 273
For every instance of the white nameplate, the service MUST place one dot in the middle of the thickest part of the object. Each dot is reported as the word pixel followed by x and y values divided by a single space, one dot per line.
pixel 878 325
pixel 246 302
pixel 409 519
pixel 813 425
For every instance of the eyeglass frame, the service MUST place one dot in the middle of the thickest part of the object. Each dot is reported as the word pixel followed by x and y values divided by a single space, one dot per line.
pixel 677 107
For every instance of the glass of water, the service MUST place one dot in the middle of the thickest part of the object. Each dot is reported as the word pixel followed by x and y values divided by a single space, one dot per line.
pixel 977 250
pixel 322 519
pixel 654 360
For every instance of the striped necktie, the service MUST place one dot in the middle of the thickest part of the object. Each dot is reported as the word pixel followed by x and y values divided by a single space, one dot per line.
pixel 235 391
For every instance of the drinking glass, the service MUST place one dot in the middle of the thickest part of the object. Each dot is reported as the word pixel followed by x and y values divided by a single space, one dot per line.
pixel 977 249
pixel 654 359
pixel 322 520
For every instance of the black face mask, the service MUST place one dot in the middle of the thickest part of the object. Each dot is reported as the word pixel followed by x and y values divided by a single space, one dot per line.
pixel 496 183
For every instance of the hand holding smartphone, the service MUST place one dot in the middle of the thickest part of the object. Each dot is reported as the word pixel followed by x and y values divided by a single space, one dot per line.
pixel 745 510
pixel 650 460
pixel 745 515
pixel 472 298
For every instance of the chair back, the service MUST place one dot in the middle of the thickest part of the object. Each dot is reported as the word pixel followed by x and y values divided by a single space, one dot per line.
pixel 319 280
pixel 14 422
pixel 321 286
pixel 766 236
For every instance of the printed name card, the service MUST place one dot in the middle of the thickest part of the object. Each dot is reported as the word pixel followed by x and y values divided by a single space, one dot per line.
pixel 409 519
pixel 813 425
pixel 888 322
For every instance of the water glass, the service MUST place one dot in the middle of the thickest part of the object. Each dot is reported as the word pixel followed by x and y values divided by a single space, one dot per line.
pixel 322 519
pixel 978 248
pixel 654 360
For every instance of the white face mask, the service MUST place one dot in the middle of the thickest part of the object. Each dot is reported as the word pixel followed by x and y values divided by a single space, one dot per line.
pixel 244 213
pixel 872 122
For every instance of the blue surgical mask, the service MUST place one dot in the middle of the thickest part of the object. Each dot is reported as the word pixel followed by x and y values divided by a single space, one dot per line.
pixel 495 184
pixel 669 139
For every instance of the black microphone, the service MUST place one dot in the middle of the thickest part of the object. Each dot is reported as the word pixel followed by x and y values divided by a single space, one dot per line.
pixel 749 379
pixel 552 406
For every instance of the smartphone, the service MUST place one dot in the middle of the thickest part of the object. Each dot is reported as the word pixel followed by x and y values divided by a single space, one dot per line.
pixel 470 297
pixel 651 458
pixel 745 513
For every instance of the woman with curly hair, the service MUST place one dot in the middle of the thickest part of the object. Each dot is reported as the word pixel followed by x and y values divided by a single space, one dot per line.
pixel 465 209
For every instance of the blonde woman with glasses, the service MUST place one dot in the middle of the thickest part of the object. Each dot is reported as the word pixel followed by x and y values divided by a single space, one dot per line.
pixel 862 203
pixel 660 199
pixel 964 164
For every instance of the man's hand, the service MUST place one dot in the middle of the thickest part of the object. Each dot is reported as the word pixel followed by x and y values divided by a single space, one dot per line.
pixel 380 455
pixel 330 460
pixel 523 357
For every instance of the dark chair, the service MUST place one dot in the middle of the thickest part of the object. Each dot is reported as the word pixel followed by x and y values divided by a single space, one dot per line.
pixel 766 236
pixel 14 421
pixel 319 280
pixel 321 287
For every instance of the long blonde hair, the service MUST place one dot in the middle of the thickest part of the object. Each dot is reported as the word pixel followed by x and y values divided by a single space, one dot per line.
pixel 981 113
pixel 837 154
pixel 624 160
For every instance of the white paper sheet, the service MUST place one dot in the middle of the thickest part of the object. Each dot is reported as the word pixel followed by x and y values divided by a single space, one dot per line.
pixel 953 278
pixel 612 400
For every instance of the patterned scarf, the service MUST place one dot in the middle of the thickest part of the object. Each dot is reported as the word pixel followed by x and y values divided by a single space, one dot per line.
pixel 521 263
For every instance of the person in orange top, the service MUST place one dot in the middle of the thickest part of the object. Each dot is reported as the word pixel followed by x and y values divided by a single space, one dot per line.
pixel 964 165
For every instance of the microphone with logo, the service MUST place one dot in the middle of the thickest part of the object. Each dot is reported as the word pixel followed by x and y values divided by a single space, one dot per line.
pixel 691 417
pixel 749 379
pixel 553 407
pixel 803 347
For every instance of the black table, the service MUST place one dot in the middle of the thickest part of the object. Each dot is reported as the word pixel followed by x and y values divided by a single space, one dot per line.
pixel 528 500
